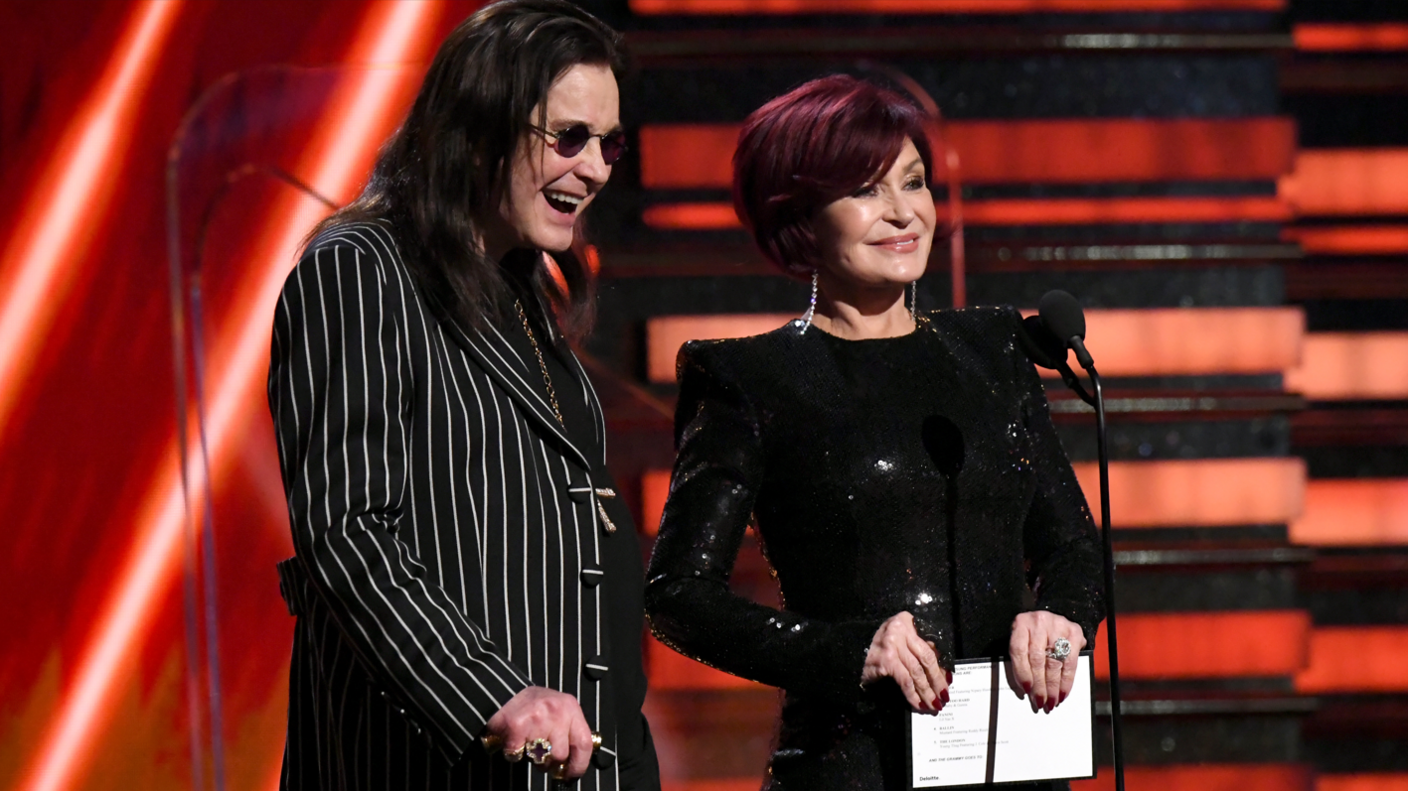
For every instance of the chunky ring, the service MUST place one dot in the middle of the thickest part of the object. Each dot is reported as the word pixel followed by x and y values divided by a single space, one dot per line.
pixel 492 742
pixel 558 771
pixel 596 741
pixel 1060 649
pixel 539 750
pixel 514 756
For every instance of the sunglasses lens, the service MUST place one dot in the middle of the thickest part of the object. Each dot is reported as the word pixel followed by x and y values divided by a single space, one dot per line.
pixel 570 142
pixel 612 147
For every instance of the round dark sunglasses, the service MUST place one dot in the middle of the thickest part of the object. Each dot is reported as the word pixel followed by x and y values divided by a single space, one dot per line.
pixel 570 142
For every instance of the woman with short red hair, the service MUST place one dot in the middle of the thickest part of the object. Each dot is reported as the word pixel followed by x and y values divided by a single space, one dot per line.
pixel 906 480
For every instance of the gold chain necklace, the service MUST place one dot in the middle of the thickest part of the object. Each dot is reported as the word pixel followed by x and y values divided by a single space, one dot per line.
pixel 542 364
pixel 601 494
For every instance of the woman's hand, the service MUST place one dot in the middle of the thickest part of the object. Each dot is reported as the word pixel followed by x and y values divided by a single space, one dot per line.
pixel 541 713
pixel 898 652
pixel 1046 679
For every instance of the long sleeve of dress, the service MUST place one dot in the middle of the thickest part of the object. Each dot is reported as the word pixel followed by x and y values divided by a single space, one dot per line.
pixel 1059 533
pixel 715 483
pixel 340 390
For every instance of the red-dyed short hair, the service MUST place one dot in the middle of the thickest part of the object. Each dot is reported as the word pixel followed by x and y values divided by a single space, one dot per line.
pixel 809 147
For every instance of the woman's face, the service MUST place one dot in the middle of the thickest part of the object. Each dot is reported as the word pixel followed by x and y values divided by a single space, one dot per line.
pixel 547 192
pixel 881 235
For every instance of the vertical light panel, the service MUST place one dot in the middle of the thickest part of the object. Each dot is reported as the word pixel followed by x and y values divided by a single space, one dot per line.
pixel 355 122
pixel 39 264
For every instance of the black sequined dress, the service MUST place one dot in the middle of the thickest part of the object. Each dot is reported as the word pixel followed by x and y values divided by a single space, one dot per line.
pixel 917 473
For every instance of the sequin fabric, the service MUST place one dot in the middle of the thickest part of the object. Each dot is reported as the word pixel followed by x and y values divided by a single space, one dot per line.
pixel 917 473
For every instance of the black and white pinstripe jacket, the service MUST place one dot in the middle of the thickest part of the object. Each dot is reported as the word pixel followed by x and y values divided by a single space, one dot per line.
pixel 449 548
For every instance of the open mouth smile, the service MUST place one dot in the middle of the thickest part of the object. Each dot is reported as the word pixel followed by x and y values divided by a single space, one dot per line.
pixel 563 202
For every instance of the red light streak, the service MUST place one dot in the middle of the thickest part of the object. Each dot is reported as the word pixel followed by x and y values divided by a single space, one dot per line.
pixel 40 262
pixel 357 119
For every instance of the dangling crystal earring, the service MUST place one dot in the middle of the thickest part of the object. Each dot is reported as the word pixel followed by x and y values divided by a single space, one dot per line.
pixel 914 301
pixel 811 308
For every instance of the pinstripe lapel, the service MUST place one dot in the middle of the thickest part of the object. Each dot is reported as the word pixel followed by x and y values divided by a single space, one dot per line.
pixel 498 359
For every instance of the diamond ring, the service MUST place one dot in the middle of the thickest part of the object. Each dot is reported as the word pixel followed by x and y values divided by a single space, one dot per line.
pixel 1060 649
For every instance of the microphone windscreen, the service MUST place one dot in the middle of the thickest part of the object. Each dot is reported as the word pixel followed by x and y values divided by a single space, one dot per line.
pixel 1041 345
pixel 1062 315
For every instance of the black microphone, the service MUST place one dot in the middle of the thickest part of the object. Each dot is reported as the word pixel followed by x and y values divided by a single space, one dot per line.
pixel 1045 349
pixel 1062 314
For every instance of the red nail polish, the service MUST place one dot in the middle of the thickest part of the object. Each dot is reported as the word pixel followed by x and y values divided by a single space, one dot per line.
pixel 938 704
pixel 944 695
pixel 949 673
pixel 1028 688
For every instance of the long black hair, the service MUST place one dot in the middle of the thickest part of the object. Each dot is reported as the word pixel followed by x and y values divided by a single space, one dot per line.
pixel 442 173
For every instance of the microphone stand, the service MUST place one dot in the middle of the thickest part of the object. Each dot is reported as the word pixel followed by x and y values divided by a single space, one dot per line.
pixel 1116 726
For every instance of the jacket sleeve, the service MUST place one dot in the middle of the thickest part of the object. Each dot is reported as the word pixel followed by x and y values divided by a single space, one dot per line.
pixel 341 390
pixel 1061 541
pixel 715 483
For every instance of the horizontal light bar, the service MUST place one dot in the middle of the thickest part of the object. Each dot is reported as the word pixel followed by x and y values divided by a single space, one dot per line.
pixel 1364 781
pixel 1202 777
pixel 1354 512
pixel 1350 239
pixel 1354 659
pixel 1057 211
pixel 1345 37
pixel 1199 492
pixel 669 669
pixel 1021 152
pixel 781 7
pixel 1352 365
pixel 1193 341
pixel 666 334
pixel 1335 182
pixel 1154 342
pixel 1148 494
pixel 1252 643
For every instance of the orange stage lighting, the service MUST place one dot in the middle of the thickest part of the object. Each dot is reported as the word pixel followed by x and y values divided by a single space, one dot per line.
pixel 1354 512
pixel 1199 492
pixel 734 784
pixel 356 120
pixel 1349 365
pixel 666 334
pixel 1194 341
pixel 1056 211
pixel 732 7
pixel 1203 777
pixel 1342 37
pixel 41 261
pixel 1158 342
pixel 1332 182
pixel 1016 152
pixel 1369 781
pixel 707 216
pixel 1249 643
pixel 1350 239
pixel 1355 659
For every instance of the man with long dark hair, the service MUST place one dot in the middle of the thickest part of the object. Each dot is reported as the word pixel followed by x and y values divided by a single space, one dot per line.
pixel 468 587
